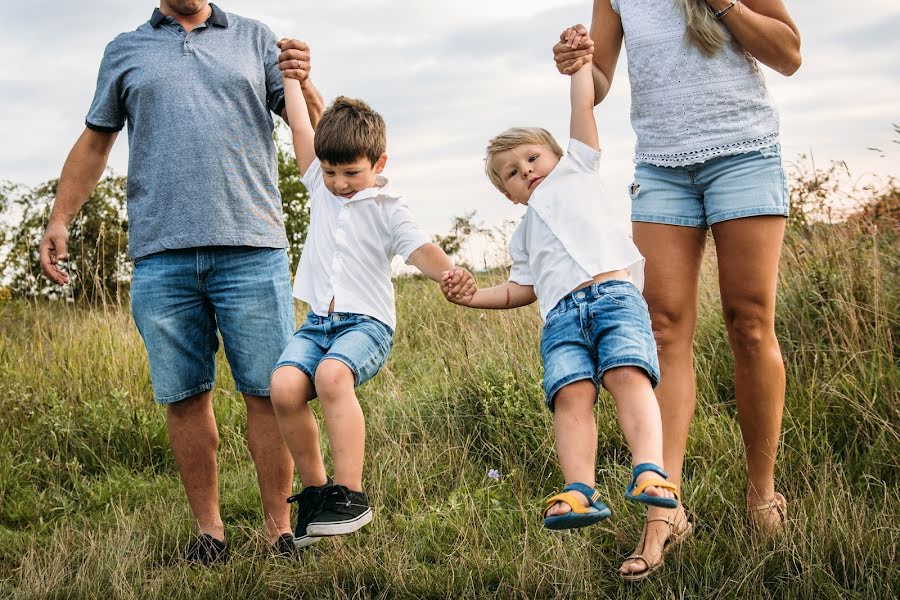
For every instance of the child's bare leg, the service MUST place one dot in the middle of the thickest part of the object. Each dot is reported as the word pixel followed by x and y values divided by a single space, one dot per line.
pixel 576 437
pixel 344 422
pixel 291 391
pixel 639 418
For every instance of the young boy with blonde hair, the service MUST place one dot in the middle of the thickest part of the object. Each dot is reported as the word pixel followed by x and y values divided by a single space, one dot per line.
pixel 357 225
pixel 573 253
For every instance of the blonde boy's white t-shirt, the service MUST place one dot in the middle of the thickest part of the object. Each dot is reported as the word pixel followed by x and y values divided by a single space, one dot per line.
pixel 573 230
pixel 349 247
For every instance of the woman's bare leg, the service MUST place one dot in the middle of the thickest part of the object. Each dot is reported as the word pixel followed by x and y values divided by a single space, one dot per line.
pixel 672 274
pixel 748 251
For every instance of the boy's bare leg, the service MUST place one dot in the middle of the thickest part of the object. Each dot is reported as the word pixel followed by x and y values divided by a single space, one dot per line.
pixel 274 467
pixel 194 440
pixel 291 391
pixel 576 437
pixel 343 420
pixel 638 414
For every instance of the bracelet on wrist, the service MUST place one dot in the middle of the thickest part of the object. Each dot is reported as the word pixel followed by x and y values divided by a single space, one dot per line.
pixel 725 11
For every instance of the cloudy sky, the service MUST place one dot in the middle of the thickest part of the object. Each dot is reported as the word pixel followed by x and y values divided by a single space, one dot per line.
pixel 446 77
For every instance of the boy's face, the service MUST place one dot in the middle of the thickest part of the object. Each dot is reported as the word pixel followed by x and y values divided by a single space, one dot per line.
pixel 522 169
pixel 345 180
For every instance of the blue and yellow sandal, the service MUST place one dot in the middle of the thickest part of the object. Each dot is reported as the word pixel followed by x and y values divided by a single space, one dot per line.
pixel 635 490
pixel 580 515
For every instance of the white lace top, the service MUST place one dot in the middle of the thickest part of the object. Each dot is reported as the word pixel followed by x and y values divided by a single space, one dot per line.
pixel 687 108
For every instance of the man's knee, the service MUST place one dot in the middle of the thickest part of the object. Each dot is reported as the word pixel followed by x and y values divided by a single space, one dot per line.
pixel 191 407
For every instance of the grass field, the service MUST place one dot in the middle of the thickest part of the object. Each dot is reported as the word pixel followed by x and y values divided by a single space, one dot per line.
pixel 91 505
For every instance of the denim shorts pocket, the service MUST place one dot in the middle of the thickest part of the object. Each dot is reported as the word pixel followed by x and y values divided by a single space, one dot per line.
pixel 555 313
pixel 634 190
pixel 622 295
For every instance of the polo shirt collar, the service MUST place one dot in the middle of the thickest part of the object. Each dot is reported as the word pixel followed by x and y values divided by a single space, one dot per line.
pixel 217 17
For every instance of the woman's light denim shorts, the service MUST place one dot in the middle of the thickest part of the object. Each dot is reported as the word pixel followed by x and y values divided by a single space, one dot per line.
pixel 593 330
pixel 359 341
pixel 703 194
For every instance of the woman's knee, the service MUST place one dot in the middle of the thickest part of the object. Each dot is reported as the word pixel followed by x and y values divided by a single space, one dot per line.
pixel 751 329
pixel 673 328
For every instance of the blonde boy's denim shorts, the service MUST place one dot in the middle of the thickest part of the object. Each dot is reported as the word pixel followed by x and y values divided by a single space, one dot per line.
pixel 593 330
pixel 721 189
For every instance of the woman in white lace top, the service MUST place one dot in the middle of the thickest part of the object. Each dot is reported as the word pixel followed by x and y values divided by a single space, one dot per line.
pixel 707 156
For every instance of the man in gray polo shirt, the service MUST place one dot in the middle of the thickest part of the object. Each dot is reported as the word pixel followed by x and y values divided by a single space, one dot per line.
pixel 197 88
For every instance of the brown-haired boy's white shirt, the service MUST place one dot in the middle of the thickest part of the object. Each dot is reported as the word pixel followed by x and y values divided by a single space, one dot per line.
pixel 349 247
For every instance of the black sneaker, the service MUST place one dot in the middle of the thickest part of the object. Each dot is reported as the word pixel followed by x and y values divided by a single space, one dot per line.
pixel 309 505
pixel 284 546
pixel 207 550
pixel 343 512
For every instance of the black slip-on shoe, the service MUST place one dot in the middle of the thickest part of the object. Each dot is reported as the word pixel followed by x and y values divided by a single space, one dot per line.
pixel 309 505
pixel 284 546
pixel 207 550
pixel 343 511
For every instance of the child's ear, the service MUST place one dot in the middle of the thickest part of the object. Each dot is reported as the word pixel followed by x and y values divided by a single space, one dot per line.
pixel 379 164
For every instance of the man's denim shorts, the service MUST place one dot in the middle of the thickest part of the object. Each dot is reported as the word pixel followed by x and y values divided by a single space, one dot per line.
pixel 593 330
pixel 720 189
pixel 180 298
pixel 359 341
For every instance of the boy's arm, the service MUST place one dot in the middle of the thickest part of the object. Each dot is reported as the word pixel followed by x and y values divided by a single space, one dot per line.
pixel 582 127
pixel 302 130
pixel 506 295
pixel 434 263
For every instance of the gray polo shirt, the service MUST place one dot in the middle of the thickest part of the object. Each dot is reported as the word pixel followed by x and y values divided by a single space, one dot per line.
pixel 202 167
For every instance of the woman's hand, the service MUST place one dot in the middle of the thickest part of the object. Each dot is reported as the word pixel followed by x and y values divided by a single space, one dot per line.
pixel 574 49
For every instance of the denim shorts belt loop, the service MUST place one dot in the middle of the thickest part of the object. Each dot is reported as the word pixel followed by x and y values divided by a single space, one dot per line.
pixel 593 330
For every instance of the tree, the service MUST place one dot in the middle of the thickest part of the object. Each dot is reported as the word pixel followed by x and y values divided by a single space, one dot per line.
pixel 98 263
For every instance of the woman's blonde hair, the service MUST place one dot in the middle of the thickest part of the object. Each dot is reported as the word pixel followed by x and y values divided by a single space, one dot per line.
pixel 702 29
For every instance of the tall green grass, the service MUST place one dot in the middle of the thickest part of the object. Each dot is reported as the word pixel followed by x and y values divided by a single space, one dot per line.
pixel 91 505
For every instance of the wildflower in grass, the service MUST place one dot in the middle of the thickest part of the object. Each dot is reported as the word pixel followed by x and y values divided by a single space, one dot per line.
pixel 494 474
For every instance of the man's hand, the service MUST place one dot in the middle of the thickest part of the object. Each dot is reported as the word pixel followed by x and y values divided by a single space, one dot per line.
pixel 53 250
pixel 294 59
pixel 574 49
pixel 458 285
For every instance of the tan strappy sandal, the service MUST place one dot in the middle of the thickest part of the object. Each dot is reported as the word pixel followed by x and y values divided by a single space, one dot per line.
pixel 674 538
pixel 766 527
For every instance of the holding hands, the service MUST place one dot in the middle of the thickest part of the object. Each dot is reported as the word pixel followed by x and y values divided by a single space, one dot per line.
pixel 458 285
pixel 574 50
pixel 293 59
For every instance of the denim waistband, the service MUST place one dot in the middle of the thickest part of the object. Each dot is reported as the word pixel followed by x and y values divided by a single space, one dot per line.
pixel 339 317
pixel 591 293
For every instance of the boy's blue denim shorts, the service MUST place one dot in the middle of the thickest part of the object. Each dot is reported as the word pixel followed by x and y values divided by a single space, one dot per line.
pixel 359 341
pixel 593 330
pixel 182 299
pixel 720 189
